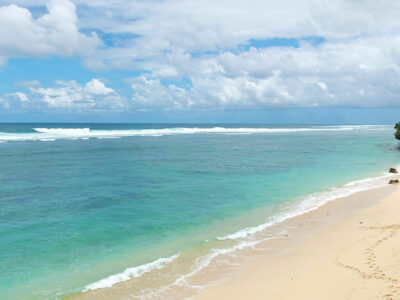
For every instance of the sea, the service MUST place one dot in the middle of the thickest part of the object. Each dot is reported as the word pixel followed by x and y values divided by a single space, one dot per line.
pixel 86 207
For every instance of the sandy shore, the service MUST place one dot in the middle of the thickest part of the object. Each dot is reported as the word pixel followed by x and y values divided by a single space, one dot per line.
pixel 347 249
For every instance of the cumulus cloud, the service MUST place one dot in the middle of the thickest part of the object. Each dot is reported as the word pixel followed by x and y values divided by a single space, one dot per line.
pixel 209 43
pixel 67 95
pixel 362 72
pixel 20 96
pixel 356 65
pixel 54 33
pixel 149 93
pixel 162 27
pixel 97 87
pixel 71 95
pixel 16 100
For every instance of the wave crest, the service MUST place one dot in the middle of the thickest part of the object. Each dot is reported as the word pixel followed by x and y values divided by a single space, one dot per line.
pixel 312 202
pixel 63 130
pixel 86 133
pixel 130 273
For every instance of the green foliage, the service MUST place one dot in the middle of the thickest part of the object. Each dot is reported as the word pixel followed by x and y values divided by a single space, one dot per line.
pixel 397 134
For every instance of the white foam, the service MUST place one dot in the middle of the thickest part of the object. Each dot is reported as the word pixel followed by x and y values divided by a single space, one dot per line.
pixel 86 133
pixel 369 127
pixel 63 130
pixel 130 273
pixel 312 202
pixel 245 238
pixel 204 261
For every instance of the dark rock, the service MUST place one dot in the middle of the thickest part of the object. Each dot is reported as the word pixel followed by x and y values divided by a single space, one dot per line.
pixel 393 170
pixel 393 181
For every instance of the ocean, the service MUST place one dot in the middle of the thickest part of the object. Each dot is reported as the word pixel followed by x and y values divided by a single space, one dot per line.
pixel 88 206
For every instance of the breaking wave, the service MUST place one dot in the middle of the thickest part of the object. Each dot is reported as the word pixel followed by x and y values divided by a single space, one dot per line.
pixel 130 273
pixel 247 237
pixel 312 202
pixel 63 130
pixel 49 134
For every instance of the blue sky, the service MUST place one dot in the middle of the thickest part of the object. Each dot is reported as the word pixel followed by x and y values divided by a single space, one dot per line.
pixel 190 61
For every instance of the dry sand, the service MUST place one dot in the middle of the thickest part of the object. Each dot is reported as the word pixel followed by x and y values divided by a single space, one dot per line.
pixel 347 249
pixel 344 250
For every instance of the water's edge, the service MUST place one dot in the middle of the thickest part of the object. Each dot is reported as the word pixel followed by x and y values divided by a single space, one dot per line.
pixel 242 239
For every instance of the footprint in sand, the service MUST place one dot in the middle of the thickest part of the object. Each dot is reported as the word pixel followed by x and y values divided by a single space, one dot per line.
pixel 375 271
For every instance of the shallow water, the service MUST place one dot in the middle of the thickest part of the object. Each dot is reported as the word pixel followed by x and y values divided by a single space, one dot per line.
pixel 80 205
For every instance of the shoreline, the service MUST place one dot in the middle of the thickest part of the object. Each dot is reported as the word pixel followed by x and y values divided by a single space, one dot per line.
pixel 346 249
pixel 288 234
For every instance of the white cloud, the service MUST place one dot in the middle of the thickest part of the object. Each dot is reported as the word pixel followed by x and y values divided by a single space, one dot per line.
pixel 65 96
pixel 150 93
pixel 358 64
pixel 20 96
pixel 186 26
pixel 3 102
pixel 14 100
pixel 97 87
pixel 330 74
pixel 27 83
pixel 322 85
pixel 71 95
pixel 54 33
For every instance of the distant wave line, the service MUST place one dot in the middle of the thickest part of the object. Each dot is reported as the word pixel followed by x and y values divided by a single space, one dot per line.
pixel 62 130
pixel 48 134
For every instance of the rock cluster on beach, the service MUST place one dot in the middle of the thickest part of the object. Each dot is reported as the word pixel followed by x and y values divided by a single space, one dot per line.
pixel 393 181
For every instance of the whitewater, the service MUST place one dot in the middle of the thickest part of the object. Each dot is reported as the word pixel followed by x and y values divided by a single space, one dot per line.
pixel 247 237
pixel 52 134
pixel 89 208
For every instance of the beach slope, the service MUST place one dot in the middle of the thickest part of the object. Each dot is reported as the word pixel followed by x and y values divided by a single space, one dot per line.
pixel 357 257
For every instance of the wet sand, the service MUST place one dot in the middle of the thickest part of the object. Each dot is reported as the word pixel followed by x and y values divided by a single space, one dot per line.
pixel 347 249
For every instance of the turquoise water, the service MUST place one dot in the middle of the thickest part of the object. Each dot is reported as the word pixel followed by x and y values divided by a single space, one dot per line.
pixel 79 205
